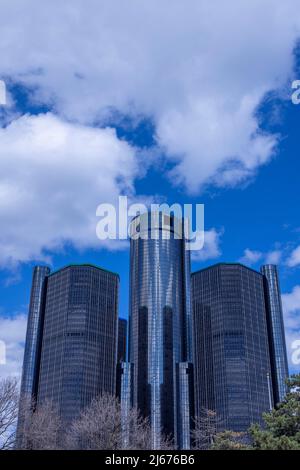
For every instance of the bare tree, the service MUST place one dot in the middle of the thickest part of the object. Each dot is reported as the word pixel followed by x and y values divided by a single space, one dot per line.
pixel 140 435
pixel 9 402
pixel 101 426
pixel 98 426
pixel 42 428
pixel 206 427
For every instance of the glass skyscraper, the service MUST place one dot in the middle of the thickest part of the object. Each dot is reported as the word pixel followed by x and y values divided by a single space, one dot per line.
pixel 279 362
pixel 30 376
pixel 231 348
pixel 160 325
pixel 33 343
pixel 79 350
pixel 77 332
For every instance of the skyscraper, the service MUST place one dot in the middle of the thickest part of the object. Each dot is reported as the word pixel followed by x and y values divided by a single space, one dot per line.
pixel 77 331
pixel 231 349
pixel 35 323
pixel 79 350
pixel 33 343
pixel 279 362
pixel 160 324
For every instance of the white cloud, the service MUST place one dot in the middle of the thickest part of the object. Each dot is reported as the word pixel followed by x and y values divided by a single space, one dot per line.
pixel 273 257
pixel 199 71
pixel 294 258
pixel 291 308
pixel 291 303
pixel 251 257
pixel 12 334
pixel 53 176
pixel 211 248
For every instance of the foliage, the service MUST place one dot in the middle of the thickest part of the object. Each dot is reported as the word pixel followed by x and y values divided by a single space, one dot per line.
pixel 282 425
pixel 230 440
pixel 205 429
pixel 281 429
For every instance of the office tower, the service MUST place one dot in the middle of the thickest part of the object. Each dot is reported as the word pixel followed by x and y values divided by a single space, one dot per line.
pixel 30 376
pixel 122 340
pixel 160 324
pixel 71 343
pixel 79 348
pixel 231 351
pixel 32 351
pixel 278 354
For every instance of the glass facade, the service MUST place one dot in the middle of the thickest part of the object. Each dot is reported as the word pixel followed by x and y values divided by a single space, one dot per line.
pixel 79 347
pixel 186 401
pixel 279 362
pixel 35 322
pixel 159 321
pixel 31 363
pixel 126 377
pixel 121 357
pixel 231 350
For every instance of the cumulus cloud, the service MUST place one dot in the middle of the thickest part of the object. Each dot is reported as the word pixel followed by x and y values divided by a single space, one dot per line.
pixel 12 337
pixel 273 257
pixel 251 257
pixel 294 258
pixel 211 248
pixel 53 176
pixel 198 71
pixel 291 308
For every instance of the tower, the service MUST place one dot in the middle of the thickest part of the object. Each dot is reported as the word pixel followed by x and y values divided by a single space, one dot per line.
pixel 71 343
pixel 160 325
pixel 231 349
pixel 278 354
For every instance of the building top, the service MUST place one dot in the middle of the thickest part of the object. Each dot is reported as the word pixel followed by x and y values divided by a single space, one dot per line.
pixel 269 266
pixel 157 220
pixel 226 264
pixel 87 265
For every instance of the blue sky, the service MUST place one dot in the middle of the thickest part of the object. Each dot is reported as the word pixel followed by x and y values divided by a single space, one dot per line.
pixel 195 108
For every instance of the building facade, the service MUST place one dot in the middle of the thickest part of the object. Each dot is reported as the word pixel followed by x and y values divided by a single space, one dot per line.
pixel 278 354
pixel 33 344
pixel 122 354
pixel 71 347
pixel 231 349
pixel 122 340
pixel 79 349
pixel 160 324
pixel 34 334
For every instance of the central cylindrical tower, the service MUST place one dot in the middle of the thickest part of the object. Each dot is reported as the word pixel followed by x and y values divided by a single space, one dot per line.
pixel 159 322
